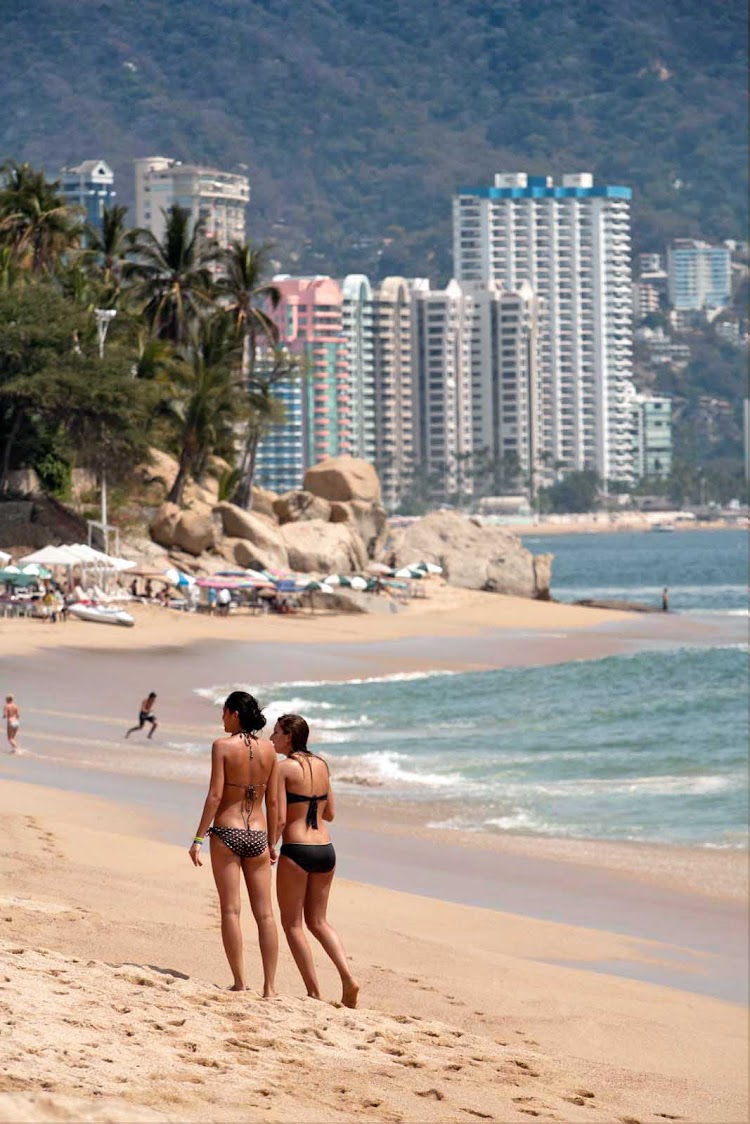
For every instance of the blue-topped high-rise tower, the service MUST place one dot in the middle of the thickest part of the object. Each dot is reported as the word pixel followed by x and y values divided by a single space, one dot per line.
pixel 571 243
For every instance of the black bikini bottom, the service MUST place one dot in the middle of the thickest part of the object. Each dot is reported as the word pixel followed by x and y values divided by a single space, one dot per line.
pixel 313 858
pixel 246 844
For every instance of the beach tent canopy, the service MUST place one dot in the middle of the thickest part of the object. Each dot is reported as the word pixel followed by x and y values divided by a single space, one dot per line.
pixel 52 556
pixel 88 556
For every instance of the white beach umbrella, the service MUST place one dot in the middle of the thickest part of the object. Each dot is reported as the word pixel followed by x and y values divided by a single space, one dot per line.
pixel 333 579
pixel 319 587
pixel 358 583
pixel 177 577
pixel 407 572
pixel 11 570
pixel 4 558
pixel 34 570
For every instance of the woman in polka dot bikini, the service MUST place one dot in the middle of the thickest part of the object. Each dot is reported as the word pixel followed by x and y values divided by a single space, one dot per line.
pixel 243 773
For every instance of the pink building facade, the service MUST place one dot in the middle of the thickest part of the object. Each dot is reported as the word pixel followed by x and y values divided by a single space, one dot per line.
pixel 309 316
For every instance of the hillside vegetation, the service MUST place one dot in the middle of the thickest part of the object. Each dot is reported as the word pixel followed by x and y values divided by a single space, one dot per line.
pixel 357 120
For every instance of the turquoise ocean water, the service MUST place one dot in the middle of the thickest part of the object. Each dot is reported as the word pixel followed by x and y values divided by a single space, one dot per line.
pixel 650 746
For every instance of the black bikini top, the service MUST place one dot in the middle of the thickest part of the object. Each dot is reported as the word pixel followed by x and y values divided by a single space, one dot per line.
pixel 311 819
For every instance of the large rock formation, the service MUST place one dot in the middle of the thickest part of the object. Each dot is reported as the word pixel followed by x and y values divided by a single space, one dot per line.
pixel 340 479
pixel 191 531
pixel 315 546
pixel 293 507
pixel 258 530
pixel 474 555
pixel 368 519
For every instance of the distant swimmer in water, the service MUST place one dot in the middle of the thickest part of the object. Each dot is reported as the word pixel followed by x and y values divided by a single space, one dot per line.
pixel 12 716
pixel 146 714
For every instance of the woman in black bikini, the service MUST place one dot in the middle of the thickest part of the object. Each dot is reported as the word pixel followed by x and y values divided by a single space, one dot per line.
pixel 307 861
pixel 243 769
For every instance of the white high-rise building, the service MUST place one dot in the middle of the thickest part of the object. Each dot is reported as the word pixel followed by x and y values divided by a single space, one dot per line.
pixel 218 198
pixel 506 399
pixel 356 325
pixel 571 244
pixel 442 330
pixel 392 380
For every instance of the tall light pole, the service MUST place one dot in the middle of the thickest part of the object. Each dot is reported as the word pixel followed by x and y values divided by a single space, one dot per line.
pixel 104 317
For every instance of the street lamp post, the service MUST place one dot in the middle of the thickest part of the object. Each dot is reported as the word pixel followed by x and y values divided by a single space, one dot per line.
pixel 104 317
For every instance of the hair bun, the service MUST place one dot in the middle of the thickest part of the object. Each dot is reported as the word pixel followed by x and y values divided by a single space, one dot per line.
pixel 246 706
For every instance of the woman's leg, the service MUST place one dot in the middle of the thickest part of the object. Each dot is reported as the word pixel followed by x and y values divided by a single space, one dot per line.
pixel 226 867
pixel 316 905
pixel 291 883
pixel 258 881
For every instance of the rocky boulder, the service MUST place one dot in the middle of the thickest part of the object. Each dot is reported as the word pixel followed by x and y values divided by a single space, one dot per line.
pixel 195 532
pixel 263 501
pixel 475 556
pixel 256 529
pixel 191 531
pixel 369 520
pixel 315 546
pixel 340 479
pixel 295 506
pixel 250 556
pixel 163 526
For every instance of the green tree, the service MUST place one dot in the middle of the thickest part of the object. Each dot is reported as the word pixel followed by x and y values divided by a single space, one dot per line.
pixel 578 491
pixel 57 396
pixel 36 223
pixel 172 282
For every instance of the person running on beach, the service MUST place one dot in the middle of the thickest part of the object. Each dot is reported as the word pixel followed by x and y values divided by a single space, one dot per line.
pixel 146 715
pixel 307 861
pixel 243 772
pixel 12 716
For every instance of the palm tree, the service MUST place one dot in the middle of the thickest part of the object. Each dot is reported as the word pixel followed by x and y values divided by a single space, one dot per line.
pixel 35 221
pixel 250 300
pixel 107 248
pixel 206 403
pixel 172 279
pixel 247 297
pixel 265 409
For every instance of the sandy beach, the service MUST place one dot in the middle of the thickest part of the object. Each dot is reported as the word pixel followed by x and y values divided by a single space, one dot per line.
pixel 112 972
pixel 503 977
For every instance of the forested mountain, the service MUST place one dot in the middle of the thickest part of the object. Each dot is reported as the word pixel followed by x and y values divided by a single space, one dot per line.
pixel 357 120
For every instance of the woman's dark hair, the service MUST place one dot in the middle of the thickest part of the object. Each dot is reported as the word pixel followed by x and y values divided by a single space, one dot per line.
pixel 298 730
pixel 248 710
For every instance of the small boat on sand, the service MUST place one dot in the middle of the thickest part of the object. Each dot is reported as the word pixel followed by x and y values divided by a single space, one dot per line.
pixel 101 614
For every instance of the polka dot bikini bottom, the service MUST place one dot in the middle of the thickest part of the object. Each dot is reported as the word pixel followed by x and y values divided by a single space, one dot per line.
pixel 246 844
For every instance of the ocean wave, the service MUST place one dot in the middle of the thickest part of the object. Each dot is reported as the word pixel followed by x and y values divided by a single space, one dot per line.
pixel 664 785
pixel 385 769
pixel 395 677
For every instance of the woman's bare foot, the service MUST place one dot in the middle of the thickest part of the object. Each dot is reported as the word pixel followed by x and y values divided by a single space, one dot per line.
pixel 237 987
pixel 350 993
pixel 269 992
